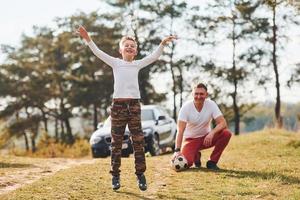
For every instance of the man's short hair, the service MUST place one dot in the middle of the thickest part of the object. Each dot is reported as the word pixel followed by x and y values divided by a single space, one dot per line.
pixel 124 38
pixel 200 85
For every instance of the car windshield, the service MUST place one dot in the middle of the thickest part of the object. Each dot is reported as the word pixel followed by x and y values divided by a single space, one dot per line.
pixel 146 114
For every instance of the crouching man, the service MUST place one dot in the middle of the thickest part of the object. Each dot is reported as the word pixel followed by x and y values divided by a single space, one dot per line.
pixel 194 131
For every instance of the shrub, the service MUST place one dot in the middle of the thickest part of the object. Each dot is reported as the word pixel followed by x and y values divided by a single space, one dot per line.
pixel 48 147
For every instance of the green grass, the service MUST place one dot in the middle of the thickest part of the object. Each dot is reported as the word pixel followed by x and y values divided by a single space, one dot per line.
pixel 262 165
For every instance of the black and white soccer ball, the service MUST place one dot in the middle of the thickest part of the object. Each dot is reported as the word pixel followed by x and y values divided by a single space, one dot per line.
pixel 179 163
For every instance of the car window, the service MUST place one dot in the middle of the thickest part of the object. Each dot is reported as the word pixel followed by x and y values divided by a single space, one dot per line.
pixel 147 114
pixel 163 112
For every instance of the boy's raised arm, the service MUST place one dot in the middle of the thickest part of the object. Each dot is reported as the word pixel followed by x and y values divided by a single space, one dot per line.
pixel 168 39
pixel 155 54
pixel 99 53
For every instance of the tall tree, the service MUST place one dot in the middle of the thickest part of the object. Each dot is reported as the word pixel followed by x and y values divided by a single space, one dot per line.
pixel 22 84
pixel 231 25
pixel 281 18
pixel 170 12
pixel 245 26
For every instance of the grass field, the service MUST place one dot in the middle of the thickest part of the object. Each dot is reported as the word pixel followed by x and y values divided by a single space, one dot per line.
pixel 262 165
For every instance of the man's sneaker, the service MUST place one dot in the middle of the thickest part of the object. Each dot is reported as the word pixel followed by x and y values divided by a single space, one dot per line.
pixel 141 181
pixel 115 182
pixel 197 163
pixel 212 165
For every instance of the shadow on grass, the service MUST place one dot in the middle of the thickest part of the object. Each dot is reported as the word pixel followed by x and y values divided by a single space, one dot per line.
pixel 134 195
pixel 252 174
pixel 14 165
pixel 160 196
pixel 262 175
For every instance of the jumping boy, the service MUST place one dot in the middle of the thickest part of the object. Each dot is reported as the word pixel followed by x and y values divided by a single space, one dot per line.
pixel 126 108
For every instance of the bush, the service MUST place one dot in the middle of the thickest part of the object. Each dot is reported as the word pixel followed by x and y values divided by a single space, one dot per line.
pixel 49 148
pixel 294 143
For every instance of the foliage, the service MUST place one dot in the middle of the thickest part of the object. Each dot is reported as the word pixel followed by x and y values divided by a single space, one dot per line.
pixel 261 117
pixel 49 148
pixel 294 143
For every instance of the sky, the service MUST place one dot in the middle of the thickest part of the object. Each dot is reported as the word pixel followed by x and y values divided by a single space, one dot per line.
pixel 17 17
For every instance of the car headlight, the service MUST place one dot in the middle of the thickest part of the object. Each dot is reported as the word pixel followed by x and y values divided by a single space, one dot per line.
pixel 147 131
pixel 95 140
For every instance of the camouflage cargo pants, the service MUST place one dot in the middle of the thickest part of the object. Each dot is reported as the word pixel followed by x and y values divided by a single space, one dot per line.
pixel 123 113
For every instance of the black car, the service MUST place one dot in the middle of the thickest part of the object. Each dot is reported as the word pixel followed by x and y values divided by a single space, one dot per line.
pixel 158 127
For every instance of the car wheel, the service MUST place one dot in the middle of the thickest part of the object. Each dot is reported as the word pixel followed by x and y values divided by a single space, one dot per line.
pixel 125 153
pixel 173 146
pixel 99 154
pixel 153 146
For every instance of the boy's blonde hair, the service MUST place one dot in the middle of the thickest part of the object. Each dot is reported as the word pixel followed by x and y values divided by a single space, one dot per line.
pixel 124 38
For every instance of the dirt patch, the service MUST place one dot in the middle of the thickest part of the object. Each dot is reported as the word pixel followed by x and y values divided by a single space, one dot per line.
pixel 16 172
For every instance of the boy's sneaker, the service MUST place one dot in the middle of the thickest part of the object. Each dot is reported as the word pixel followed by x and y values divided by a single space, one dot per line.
pixel 141 181
pixel 115 182
pixel 212 165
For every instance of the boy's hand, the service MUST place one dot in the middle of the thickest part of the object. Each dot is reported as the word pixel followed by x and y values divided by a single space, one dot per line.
pixel 168 39
pixel 83 33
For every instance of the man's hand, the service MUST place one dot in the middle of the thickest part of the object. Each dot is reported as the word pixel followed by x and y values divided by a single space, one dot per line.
pixel 176 154
pixel 83 33
pixel 208 139
pixel 168 39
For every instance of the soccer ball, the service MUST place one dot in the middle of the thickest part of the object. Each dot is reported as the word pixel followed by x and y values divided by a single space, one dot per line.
pixel 179 163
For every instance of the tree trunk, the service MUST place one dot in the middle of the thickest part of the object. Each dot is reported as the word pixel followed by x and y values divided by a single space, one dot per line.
pixel 143 76
pixel 45 121
pixel 174 83
pixel 180 86
pixel 70 137
pixel 33 147
pixel 56 129
pixel 26 141
pixel 274 60
pixel 236 112
pixel 34 133
pixel 95 116
pixel 235 81
pixel 62 131
pixel 172 67
pixel 95 110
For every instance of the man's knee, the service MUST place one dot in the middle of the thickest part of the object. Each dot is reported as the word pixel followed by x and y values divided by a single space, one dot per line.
pixel 189 159
pixel 189 155
pixel 226 133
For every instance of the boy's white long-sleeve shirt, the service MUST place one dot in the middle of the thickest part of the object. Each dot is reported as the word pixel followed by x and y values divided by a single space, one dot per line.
pixel 125 73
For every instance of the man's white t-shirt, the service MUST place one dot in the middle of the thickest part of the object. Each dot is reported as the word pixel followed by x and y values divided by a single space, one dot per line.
pixel 126 84
pixel 198 123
